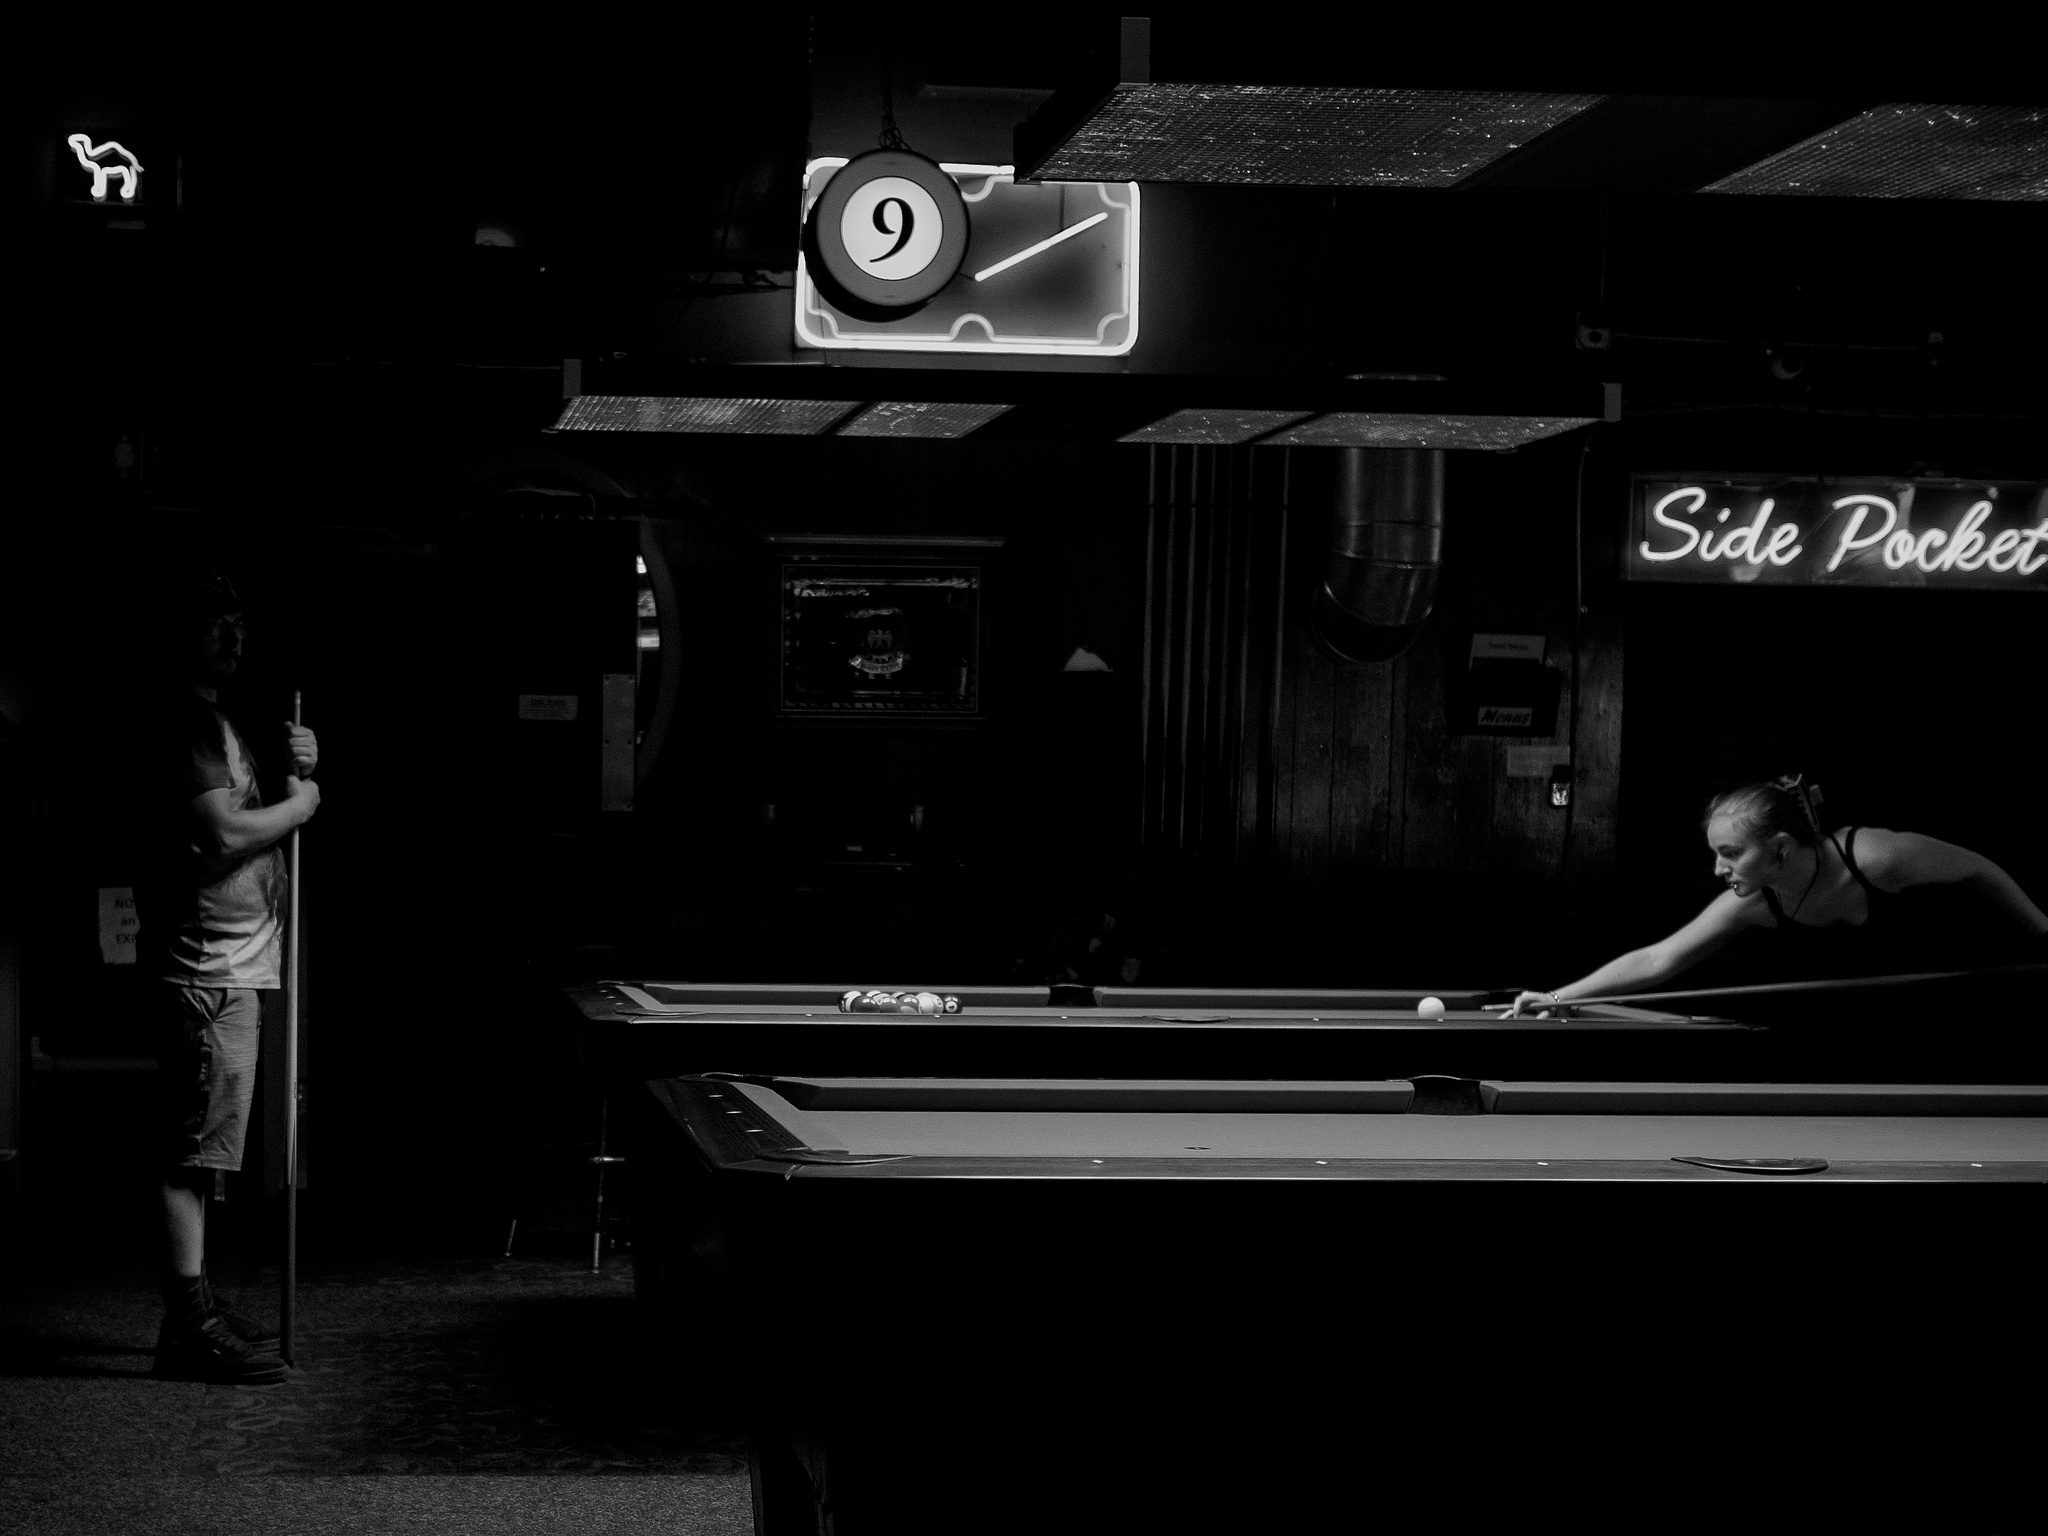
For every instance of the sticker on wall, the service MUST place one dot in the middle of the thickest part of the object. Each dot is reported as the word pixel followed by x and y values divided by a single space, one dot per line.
pixel 548 706
pixel 118 925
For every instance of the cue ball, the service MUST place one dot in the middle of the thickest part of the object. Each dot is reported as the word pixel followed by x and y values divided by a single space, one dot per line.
pixel 1431 1007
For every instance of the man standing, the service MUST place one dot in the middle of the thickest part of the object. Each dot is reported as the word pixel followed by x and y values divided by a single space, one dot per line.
pixel 209 908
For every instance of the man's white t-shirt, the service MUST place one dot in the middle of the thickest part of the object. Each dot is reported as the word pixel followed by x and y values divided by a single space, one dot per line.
pixel 209 920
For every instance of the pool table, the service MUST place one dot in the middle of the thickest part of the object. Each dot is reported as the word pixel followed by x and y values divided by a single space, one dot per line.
pixel 1166 1298
pixel 636 1030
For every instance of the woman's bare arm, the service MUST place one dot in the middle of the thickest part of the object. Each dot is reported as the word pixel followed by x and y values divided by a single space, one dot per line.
pixel 1897 861
pixel 1641 970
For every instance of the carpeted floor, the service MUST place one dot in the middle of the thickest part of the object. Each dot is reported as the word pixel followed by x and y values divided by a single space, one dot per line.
pixel 505 1396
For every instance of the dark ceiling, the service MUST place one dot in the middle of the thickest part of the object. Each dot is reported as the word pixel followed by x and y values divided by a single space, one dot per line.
pixel 1502 218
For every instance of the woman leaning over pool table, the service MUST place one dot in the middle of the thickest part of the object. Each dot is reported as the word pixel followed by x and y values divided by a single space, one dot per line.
pixel 1824 891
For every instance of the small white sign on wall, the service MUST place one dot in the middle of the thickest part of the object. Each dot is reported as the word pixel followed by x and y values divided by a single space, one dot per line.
pixel 1535 761
pixel 1508 647
pixel 547 706
pixel 118 924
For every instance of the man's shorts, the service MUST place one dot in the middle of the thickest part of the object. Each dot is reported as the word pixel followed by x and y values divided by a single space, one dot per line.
pixel 207 1046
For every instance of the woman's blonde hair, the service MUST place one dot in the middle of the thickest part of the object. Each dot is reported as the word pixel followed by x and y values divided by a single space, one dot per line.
pixel 1789 805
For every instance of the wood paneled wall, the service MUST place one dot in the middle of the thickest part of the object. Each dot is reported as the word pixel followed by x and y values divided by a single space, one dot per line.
pixel 1215 541
pixel 1259 751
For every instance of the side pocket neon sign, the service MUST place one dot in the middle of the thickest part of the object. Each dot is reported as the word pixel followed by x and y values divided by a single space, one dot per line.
pixel 1840 533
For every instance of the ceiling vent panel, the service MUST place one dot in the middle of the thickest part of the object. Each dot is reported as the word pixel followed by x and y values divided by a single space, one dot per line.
pixel 1907 149
pixel 1213 427
pixel 920 419
pixel 1297 135
pixel 1377 429
pixel 685 413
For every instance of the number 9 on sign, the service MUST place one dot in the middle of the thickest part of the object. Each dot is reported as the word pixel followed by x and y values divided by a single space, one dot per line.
pixel 891 228
pixel 888 232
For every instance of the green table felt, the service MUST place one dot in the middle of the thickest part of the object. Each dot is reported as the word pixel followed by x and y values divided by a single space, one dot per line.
pixel 1564 1137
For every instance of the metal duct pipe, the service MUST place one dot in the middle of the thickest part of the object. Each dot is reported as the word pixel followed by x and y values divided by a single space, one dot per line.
pixel 1386 547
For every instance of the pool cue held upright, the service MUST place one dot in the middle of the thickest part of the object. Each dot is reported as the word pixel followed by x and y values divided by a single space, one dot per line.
pixel 287 1307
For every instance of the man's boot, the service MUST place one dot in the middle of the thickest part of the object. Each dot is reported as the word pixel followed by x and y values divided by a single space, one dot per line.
pixel 195 1345
pixel 249 1331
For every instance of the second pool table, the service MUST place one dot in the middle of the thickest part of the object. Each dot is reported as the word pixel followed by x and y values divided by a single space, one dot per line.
pixel 1428 1297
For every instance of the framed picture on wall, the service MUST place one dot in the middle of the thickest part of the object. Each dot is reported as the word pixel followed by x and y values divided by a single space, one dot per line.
pixel 881 629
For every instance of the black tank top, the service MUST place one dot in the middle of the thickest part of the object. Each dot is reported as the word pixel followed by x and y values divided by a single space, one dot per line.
pixel 1923 928
pixel 1842 937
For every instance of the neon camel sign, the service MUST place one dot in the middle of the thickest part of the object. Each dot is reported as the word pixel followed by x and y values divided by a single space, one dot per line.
pixel 107 162
pixel 1840 533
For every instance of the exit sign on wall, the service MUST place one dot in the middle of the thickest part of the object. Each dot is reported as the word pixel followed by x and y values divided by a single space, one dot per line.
pixel 1839 533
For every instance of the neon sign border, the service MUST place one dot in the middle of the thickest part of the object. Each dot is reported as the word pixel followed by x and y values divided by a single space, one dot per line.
pixel 808 306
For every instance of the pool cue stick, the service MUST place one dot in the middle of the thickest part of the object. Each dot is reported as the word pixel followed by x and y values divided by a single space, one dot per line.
pixel 1790 988
pixel 287 1309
